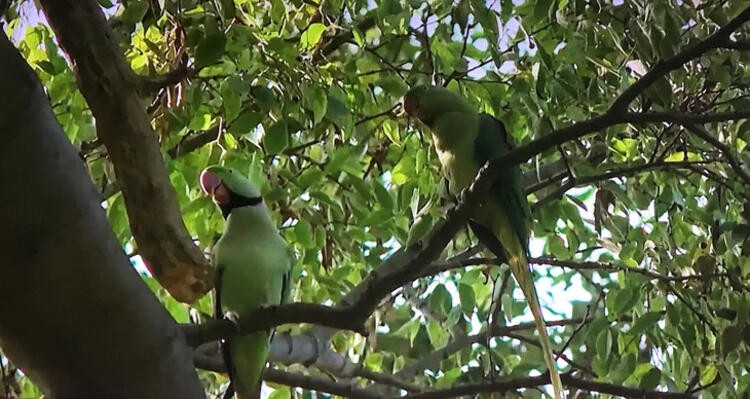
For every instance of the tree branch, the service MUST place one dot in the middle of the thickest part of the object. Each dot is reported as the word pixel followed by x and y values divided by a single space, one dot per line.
pixel 615 268
pixel 731 158
pixel 190 144
pixel 317 384
pixel 272 316
pixel 513 384
pixel 334 42
pixel 717 39
pixel 347 390
pixel 110 89
pixel 741 45
pixel 313 383
pixel 154 83
pixel 208 357
pixel 611 174
pixel 684 119
pixel 433 359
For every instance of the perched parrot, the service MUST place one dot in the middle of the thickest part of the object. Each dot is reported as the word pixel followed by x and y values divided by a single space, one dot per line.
pixel 253 269
pixel 464 140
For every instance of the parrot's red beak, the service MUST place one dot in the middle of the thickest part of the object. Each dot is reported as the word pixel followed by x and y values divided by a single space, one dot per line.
pixel 213 186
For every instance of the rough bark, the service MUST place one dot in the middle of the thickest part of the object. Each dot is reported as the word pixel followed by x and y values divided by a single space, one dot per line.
pixel 74 314
pixel 111 90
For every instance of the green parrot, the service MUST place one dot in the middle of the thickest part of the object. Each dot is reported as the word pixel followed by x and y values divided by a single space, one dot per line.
pixel 253 269
pixel 464 140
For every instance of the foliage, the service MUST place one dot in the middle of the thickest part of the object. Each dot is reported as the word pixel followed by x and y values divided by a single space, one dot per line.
pixel 645 225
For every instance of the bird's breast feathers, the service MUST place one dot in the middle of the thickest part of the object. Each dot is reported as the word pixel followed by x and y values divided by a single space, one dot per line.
pixel 458 165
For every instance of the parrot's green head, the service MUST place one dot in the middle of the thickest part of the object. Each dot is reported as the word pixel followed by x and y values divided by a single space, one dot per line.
pixel 229 189
pixel 427 103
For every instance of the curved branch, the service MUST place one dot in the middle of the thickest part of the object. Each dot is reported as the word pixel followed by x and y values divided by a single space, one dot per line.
pixel 509 384
pixel 433 359
pixel 190 144
pixel 208 357
pixel 626 171
pixel 272 316
pixel 731 158
pixel 720 38
pixel 341 317
pixel 614 268
pixel 334 42
pixel 317 384
pixel 513 384
pixel 177 75
pixel 684 119
pixel 110 88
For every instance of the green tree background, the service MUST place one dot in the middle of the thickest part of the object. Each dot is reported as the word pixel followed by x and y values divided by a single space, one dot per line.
pixel 631 119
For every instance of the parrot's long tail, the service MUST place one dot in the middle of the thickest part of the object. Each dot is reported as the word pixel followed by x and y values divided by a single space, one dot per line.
pixel 520 269
pixel 248 358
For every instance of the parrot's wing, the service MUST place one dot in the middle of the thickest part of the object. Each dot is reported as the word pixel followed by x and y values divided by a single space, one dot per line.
pixel 489 240
pixel 493 141
pixel 226 355
pixel 217 294
pixel 286 286
pixel 508 192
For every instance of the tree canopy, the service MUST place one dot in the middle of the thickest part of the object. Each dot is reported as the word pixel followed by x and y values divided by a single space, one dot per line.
pixel 631 120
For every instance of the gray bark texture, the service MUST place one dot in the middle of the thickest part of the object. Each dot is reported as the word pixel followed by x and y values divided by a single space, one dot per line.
pixel 74 314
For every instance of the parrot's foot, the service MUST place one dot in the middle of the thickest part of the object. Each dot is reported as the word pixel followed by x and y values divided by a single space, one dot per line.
pixel 234 318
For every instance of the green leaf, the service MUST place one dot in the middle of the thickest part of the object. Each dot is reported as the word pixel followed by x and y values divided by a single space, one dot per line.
pixel 422 225
pixel 228 10
pixel 276 138
pixel 466 294
pixel 304 234
pixel 47 66
pixel 246 122
pixel 743 131
pixel 708 374
pixel 316 100
pixel 231 100
pixel 625 299
pixel 438 335
pixel 211 48
pixel 200 122
pixel 339 158
pixel 133 12
pixel 337 112
pixel 646 321
pixel 557 247
pixel 604 344
pixel 440 300
pixel 280 392
pixel 651 379
pixel 278 10
pixel 731 338
pixel 312 35
pixel 382 196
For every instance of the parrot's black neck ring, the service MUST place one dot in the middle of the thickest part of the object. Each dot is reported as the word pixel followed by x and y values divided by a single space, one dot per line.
pixel 238 201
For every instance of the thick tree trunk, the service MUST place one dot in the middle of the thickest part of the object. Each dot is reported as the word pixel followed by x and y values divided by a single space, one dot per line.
pixel 74 314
